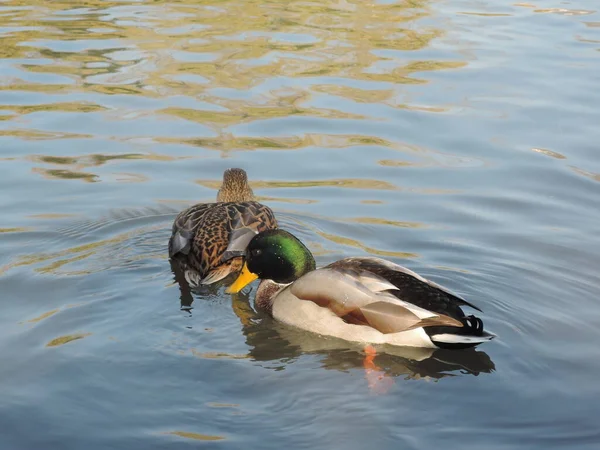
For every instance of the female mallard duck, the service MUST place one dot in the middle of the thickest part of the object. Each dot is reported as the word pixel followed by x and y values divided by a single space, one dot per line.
pixel 208 239
pixel 367 300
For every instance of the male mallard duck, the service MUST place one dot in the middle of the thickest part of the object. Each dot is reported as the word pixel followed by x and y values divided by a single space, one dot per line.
pixel 367 300
pixel 208 239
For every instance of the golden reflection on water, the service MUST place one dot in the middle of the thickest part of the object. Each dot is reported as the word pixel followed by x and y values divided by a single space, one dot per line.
pixel 35 135
pixel 565 11
pixel 227 142
pixel 378 221
pixel 63 107
pixel 94 160
pixel 357 244
pixel 579 171
pixel 297 201
pixel 14 230
pixel 194 62
pixel 551 153
pixel 43 316
pixel 66 174
pixel 349 183
pixel 591 175
pixel 222 405
pixel 62 340
pixel 192 48
pixel 196 436
pixel 352 183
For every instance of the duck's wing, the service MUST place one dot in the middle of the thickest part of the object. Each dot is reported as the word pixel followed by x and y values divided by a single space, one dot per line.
pixel 407 285
pixel 246 220
pixel 184 228
pixel 365 300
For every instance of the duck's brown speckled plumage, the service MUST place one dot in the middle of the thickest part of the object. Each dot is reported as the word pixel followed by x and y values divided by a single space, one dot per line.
pixel 203 233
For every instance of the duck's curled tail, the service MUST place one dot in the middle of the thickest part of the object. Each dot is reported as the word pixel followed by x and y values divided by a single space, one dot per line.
pixel 469 335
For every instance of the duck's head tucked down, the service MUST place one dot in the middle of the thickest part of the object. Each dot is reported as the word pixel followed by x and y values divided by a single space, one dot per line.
pixel 365 299
pixel 235 187
pixel 274 255
pixel 279 256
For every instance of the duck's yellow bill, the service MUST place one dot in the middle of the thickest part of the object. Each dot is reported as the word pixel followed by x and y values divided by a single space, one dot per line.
pixel 244 279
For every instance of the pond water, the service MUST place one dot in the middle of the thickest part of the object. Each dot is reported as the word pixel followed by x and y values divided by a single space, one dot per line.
pixel 457 138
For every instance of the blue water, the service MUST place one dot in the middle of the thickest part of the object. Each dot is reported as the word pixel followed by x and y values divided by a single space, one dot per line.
pixel 459 139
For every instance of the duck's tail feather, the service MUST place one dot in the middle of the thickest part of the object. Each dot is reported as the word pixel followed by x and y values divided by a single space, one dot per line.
pixel 469 335
pixel 449 338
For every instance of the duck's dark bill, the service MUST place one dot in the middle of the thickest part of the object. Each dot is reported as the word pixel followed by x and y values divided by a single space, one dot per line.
pixel 244 279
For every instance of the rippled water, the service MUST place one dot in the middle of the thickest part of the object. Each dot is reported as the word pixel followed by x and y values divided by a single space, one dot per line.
pixel 457 138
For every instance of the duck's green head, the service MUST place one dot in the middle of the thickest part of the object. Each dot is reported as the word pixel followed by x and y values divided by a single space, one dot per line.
pixel 274 255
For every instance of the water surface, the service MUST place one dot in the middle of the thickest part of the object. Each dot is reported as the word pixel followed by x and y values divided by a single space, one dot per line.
pixel 457 138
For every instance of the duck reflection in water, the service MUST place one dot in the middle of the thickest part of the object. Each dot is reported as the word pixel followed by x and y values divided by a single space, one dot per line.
pixel 271 341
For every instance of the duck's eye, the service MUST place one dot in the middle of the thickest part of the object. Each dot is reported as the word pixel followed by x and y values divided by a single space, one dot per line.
pixel 256 252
